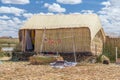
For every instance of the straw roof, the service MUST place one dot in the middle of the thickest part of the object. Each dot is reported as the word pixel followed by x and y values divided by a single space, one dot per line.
pixel 64 21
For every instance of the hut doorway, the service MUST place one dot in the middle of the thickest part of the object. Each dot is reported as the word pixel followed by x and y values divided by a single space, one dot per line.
pixel 30 40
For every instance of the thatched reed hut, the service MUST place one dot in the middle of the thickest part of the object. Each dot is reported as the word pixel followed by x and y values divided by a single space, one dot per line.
pixel 63 34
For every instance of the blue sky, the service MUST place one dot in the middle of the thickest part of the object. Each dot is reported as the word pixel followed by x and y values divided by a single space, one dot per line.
pixel 14 13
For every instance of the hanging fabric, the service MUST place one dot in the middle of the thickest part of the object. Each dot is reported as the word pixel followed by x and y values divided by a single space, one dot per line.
pixel 29 45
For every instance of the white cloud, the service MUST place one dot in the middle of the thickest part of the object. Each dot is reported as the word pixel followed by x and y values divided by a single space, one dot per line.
pixel 75 13
pixel 46 5
pixel 28 15
pixel 10 27
pixel 4 17
pixel 69 1
pixel 17 20
pixel 115 2
pixel 109 16
pixel 84 12
pixel 39 1
pixel 54 7
pixel 46 13
pixel 5 32
pixel 11 10
pixel 15 1
pixel 87 11
pixel 107 3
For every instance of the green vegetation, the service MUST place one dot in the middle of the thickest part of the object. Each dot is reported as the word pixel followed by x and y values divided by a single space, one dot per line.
pixel 10 42
pixel 0 48
pixel 99 58
pixel 4 54
pixel 109 51
pixel 17 48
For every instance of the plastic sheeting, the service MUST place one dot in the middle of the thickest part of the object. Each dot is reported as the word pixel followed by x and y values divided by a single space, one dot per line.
pixel 0 62
pixel 62 64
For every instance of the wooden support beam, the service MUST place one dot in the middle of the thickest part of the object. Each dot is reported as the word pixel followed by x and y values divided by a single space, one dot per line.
pixel 43 38
pixel 74 45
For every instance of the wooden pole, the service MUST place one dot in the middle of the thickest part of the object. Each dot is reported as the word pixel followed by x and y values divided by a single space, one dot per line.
pixel 116 53
pixel 74 45
pixel 25 32
pixel 42 40
pixel 57 44
pixel 95 49
pixel 23 40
